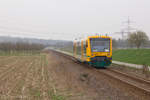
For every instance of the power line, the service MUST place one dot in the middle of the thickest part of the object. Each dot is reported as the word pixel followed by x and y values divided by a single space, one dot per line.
pixel 126 31
pixel 128 27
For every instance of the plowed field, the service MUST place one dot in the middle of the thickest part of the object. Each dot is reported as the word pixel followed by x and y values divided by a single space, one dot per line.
pixel 53 77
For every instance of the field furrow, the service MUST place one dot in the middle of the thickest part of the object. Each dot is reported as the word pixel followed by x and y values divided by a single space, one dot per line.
pixel 11 75
pixel 16 89
pixel 9 65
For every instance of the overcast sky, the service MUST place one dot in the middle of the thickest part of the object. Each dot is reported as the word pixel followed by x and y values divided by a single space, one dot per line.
pixel 69 19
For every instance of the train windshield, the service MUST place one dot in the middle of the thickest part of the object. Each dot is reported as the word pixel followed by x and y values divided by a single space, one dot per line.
pixel 100 44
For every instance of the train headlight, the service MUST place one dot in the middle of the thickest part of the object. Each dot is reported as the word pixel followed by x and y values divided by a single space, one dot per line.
pixel 106 50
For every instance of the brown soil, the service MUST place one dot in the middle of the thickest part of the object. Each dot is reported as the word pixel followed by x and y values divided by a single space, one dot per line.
pixel 55 77
pixel 86 84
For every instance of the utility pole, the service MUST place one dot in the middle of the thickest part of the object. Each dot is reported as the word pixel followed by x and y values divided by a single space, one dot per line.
pixel 122 34
pixel 126 31
pixel 128 28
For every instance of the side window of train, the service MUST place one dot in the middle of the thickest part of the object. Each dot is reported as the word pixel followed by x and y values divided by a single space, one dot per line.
pixel 86 44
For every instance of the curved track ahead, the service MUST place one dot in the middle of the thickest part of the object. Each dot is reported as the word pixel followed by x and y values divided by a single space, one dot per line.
pixel 128 79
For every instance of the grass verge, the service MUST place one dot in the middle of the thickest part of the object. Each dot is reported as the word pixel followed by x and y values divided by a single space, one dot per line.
pixel 135 56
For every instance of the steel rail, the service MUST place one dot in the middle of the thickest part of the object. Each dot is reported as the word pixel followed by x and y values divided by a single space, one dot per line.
pixel 120 76
pixel 135 82
pixel 131 76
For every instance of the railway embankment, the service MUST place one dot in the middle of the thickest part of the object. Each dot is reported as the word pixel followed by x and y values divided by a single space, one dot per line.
pixel 104 86
pixel 129 68
pixel 130 65
pixel 121 55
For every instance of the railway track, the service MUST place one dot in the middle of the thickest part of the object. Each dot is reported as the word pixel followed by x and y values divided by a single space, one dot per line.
pixel 128 79
pixel 136 82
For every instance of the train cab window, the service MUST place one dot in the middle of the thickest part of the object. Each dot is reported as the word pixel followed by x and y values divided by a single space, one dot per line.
pixel 100 44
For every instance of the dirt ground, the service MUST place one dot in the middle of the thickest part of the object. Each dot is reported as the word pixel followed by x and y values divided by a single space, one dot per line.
pixel 53 77
pixel 86 84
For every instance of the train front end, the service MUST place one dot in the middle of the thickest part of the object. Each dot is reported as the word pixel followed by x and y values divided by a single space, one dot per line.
pixel 99 53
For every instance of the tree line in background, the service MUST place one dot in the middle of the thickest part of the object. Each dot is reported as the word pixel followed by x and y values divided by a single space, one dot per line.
pixel 137 39
pixel 20 46
pixel 14 45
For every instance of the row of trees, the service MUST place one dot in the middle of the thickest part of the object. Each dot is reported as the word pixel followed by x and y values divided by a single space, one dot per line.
pixel 134 40
pixel 8 46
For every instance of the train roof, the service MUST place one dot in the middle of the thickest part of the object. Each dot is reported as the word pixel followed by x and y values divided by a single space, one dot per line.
pixel 97 36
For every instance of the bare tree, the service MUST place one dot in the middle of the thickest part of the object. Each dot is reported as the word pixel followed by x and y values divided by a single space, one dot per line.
pixel 20 46
pixel 138 38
